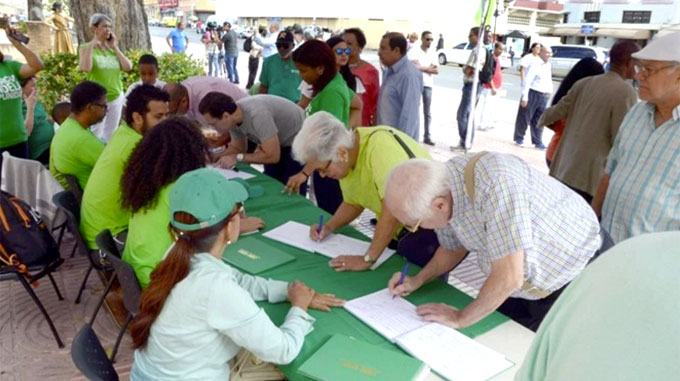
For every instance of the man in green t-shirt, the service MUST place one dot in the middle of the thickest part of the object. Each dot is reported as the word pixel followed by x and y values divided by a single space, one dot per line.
pixel 75 149
pixel 146 106
pixel 279 75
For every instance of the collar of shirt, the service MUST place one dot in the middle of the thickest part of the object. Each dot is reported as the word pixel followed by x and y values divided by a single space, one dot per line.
pixel 651 109
pixel 399 66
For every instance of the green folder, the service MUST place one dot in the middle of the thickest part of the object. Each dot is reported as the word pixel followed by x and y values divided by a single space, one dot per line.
pixel 254 256
pixel 345 358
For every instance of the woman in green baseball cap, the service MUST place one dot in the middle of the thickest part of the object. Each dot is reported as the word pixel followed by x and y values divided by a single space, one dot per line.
pixel 198 312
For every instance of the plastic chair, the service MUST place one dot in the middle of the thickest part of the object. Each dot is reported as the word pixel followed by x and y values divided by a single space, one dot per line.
pixel 74 187
pixel 67 202
pixel 108 247
pixel 90 358
pixel 127 278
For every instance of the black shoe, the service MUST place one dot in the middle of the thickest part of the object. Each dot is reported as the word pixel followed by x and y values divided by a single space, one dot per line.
pixel 428 142
pixel 374 221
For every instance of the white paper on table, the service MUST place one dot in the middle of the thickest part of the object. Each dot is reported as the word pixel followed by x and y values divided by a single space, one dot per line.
pixel 297 235
pixel 232 174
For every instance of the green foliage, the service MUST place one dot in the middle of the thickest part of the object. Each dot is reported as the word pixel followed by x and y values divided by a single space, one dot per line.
pixel 61 73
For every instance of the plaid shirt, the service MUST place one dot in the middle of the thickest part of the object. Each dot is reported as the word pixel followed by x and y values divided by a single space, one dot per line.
pixel 644 188
pixel 517 208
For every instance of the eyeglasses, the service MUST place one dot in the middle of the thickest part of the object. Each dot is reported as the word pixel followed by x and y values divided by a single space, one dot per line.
pixel 429 39
pixel 282 45
pixel 340 51
pixel 414 228
pixel 325 168
pixel 647 71
pixel 104 106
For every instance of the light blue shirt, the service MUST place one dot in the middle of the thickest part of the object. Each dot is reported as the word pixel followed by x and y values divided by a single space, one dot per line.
pixel 209 316
pixel 179 40
pixel 399 99
pixel 643 165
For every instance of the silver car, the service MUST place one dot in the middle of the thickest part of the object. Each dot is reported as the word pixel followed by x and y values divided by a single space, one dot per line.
pixel 566 56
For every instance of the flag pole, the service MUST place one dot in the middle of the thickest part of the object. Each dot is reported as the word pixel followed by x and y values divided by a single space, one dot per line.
pixel 470 135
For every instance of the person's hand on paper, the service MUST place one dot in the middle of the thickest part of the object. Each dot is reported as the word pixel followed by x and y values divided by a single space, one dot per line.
pixel 324 302
pixel 294 183
pixel 300 295
pixel 316 236
pixel 441 313
pixel 226 161
pixel 408 286
pixel 250 224
pixel 349 263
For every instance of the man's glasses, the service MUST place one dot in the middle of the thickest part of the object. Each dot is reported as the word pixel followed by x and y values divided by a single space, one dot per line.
pixel 282 45
pixel 648 71
pixel 340 51
pixel 429 39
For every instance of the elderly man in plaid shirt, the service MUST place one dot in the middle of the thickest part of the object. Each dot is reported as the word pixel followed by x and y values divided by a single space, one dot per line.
pixel 531 233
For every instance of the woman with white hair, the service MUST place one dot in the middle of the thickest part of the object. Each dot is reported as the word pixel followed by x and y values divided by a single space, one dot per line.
pixel 361 160
pixel 103 62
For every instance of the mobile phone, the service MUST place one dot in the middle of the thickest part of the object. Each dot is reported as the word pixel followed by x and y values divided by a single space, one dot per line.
pixel 4 23
pixel 110 37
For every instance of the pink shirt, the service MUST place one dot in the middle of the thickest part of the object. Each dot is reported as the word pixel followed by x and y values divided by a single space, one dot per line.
pixel 199 87
pixel 497 75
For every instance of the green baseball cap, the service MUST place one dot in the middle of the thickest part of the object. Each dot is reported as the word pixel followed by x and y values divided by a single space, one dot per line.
pixel 205 194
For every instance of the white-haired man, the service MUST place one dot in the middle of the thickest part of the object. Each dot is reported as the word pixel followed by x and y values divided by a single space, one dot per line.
pixel 639 187
pixel 532 235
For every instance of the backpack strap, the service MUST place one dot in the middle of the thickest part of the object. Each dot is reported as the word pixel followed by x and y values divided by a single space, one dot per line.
pixel 399 140
pixel 469 175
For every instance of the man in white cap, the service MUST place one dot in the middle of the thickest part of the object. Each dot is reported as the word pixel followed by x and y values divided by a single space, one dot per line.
pixel 638 192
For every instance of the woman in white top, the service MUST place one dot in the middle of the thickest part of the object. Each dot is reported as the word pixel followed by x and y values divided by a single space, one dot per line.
pixel 198 312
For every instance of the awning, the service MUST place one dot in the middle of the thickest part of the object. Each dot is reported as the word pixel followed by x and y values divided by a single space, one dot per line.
pixel 517 34
pixel 632 34
pixel 565 31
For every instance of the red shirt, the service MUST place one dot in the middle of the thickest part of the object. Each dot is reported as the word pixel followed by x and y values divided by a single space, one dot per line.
pixel 370 78
pixel 497 75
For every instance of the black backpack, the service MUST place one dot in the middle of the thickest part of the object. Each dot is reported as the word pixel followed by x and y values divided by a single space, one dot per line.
pixel 489 68
pixel 25 240
pixel 248 44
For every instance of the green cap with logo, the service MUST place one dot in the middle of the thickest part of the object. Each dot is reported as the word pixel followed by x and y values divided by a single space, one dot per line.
pixel 205 194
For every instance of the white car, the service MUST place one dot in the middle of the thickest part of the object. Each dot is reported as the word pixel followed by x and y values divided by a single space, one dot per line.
pixel 460 53
pixel 566 56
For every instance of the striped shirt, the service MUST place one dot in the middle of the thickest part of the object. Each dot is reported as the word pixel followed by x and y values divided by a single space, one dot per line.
pixel 644 186
pixel 517 208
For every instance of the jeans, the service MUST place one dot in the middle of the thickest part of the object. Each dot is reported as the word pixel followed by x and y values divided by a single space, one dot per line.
pixel 285 168
pixel 105 129
pixel 213 64
pixel 427 102
pixel 231 68
pixel 531 114
pixel 253 64
pixel 464 110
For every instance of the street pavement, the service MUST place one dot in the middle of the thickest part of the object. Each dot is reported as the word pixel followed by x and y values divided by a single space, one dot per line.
pixel 445 99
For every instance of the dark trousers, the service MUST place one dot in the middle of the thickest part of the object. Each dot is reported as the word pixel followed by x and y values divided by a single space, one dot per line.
pixel 285 168
pixel 253 64
pixel 586 196
pixel 18 150
pixel 328 193
pixel 232 72
pixel 427 102
pixel 530 115
pixel 418 247
pixel 44 158
pixel 464 110
pixel 530 313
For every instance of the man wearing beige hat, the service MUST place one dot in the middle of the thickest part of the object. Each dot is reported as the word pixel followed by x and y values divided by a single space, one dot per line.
pixel 638 192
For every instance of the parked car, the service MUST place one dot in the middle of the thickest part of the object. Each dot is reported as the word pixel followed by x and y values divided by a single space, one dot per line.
pixel 169 21
pixel 566 56
pixel 460 53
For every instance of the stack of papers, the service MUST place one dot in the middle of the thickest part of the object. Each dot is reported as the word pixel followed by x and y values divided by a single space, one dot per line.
pixel 448 352
pixel 233 174
pixel 297 235
pixel 254 256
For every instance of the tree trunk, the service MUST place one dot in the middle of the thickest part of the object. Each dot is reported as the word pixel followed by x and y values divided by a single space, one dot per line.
pixel 129 21
pixel 35 12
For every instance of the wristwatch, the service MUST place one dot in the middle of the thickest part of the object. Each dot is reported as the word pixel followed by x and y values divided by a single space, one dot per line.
pixel 367 258
pixel 239 157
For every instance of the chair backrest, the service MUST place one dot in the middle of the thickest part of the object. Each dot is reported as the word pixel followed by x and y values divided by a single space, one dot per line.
pixel 127 278
pixel 66 201
pixel 90 358
pixel 75 188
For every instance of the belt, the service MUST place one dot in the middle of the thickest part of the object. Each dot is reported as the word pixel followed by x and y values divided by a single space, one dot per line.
pixel 540 92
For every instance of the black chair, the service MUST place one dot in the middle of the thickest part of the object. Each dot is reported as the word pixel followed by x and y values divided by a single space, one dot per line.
pixel 90 358
pixel 108 247
pixel 74 187
pixel 132 291
pixel 67 203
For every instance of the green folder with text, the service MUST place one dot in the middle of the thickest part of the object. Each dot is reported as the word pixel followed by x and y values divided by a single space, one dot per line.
pixel 345 358
pixel 254 256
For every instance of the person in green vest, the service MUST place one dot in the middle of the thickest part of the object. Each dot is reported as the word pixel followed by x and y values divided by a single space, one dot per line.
pixel 13 134
pixel 145 108
pixel 361 160
pixel 39 129
pixel 103 62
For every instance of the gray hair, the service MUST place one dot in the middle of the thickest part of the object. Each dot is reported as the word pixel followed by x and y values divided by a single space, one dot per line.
pixel 320 137
pixel 97 18
pixel 413 185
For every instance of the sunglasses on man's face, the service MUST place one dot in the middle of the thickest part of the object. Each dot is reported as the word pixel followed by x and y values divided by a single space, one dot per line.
pixel 340 51
pixel 282 45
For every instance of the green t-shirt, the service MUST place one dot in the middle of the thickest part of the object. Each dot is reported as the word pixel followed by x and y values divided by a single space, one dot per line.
pixel 74 151
pixel 335 98
pixel 101 200
pixel 148 237
pixel 13 130
pixel 618 320
pixel 281 77
pixel 106 72
pixel 379 153
pixel 42 134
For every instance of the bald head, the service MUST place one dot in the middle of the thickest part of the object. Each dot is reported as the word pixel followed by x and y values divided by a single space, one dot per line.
pixel 621 52
pixel 179 98
pixel 545 53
